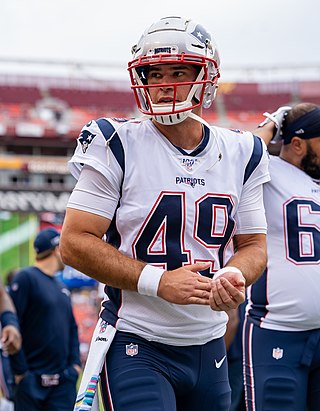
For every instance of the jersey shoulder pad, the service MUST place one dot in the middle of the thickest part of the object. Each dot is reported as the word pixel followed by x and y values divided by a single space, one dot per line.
pixel 101 127
pixel 108 127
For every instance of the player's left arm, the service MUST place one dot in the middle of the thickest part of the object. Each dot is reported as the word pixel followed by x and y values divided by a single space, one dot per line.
pixel 250 255
pixel 10 336
pixel 265 132
pixel 272 127
pixel 250 248
pixel 244 268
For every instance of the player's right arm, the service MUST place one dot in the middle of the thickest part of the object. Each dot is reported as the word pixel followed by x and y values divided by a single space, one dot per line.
pixel 83 248
pixel 91 208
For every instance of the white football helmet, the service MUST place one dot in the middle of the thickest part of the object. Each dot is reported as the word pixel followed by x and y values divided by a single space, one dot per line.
pixel 168 41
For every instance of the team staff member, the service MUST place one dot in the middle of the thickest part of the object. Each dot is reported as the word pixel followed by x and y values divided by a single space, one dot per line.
pixel 177 192
pixel 10 342
pixel 282 328
pixel 48 364
pixel 10 334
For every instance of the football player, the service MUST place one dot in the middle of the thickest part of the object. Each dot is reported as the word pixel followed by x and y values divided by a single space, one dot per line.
pixel 174 195
pixel 10 342
pixel 282 328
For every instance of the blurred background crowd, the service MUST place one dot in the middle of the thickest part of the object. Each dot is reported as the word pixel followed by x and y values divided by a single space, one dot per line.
pixel 40 119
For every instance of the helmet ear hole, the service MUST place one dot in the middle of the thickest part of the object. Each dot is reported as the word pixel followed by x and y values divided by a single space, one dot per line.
pixel 210 94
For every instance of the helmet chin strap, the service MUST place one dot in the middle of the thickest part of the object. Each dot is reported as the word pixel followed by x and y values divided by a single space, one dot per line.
pixel 216 139
pixel 173 118
pixel 190 114
pixel 170 119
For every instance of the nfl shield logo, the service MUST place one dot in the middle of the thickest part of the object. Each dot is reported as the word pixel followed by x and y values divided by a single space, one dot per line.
pixel 132 349
pixel 277 353
pixel 103 326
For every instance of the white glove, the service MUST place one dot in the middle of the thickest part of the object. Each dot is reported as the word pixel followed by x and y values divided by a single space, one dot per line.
pixel 277 117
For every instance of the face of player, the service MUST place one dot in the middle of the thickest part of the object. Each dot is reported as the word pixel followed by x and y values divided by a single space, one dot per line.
pixel 310 163
pixel 163 74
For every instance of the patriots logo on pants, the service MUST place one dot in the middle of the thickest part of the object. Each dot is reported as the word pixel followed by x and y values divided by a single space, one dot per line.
pixel 85 139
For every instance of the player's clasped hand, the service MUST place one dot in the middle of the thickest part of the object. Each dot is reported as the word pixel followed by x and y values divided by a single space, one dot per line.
pixel 227 292
pixel 185 285
pixel 11 339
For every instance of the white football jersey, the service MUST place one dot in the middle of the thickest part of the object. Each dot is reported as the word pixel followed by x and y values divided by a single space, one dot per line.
pixel 175 208
pixel 287 296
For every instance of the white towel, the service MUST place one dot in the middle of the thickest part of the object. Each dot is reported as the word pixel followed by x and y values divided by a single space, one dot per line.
pixel 87 398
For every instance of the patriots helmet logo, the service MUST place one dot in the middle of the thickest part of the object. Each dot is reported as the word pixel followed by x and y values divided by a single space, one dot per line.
pixel 201 34
pixel 85 139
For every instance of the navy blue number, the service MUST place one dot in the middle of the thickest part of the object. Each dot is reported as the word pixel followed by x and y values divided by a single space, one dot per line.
pixel 208 232
pixel 303 231
pixel 161 239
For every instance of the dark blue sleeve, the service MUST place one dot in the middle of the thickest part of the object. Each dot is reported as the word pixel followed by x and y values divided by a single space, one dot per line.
pixel 19 293
pixel 74 352
pixel 255 158
pixel 115 144
pixel 9 318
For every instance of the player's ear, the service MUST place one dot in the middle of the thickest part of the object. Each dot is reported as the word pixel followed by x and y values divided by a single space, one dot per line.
pixel 56 250
pixel 299 146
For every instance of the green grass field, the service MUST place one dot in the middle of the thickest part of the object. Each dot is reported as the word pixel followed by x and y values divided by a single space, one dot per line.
pixel 17 231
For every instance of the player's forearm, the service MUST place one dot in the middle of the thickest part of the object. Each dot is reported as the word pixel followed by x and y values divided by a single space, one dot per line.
pixel 82 247
pixel 99 260
pixel 266 132
pixel 250 256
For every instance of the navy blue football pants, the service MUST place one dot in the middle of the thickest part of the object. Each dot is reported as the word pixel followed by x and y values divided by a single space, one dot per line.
pixel 140 375
pixel 282 369
pixel 6 376
pixel 30 395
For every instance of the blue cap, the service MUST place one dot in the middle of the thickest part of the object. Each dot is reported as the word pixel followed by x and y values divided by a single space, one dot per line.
pixel 47 239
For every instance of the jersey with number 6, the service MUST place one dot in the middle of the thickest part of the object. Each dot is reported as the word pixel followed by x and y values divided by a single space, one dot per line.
pixel 175 208
pixel 287 296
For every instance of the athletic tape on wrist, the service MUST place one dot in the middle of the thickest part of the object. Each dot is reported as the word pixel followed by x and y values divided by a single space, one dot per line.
pixel 149 280
pixel 226 270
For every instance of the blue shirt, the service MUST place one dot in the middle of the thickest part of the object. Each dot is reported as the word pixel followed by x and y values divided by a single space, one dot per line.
pixel 48 328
